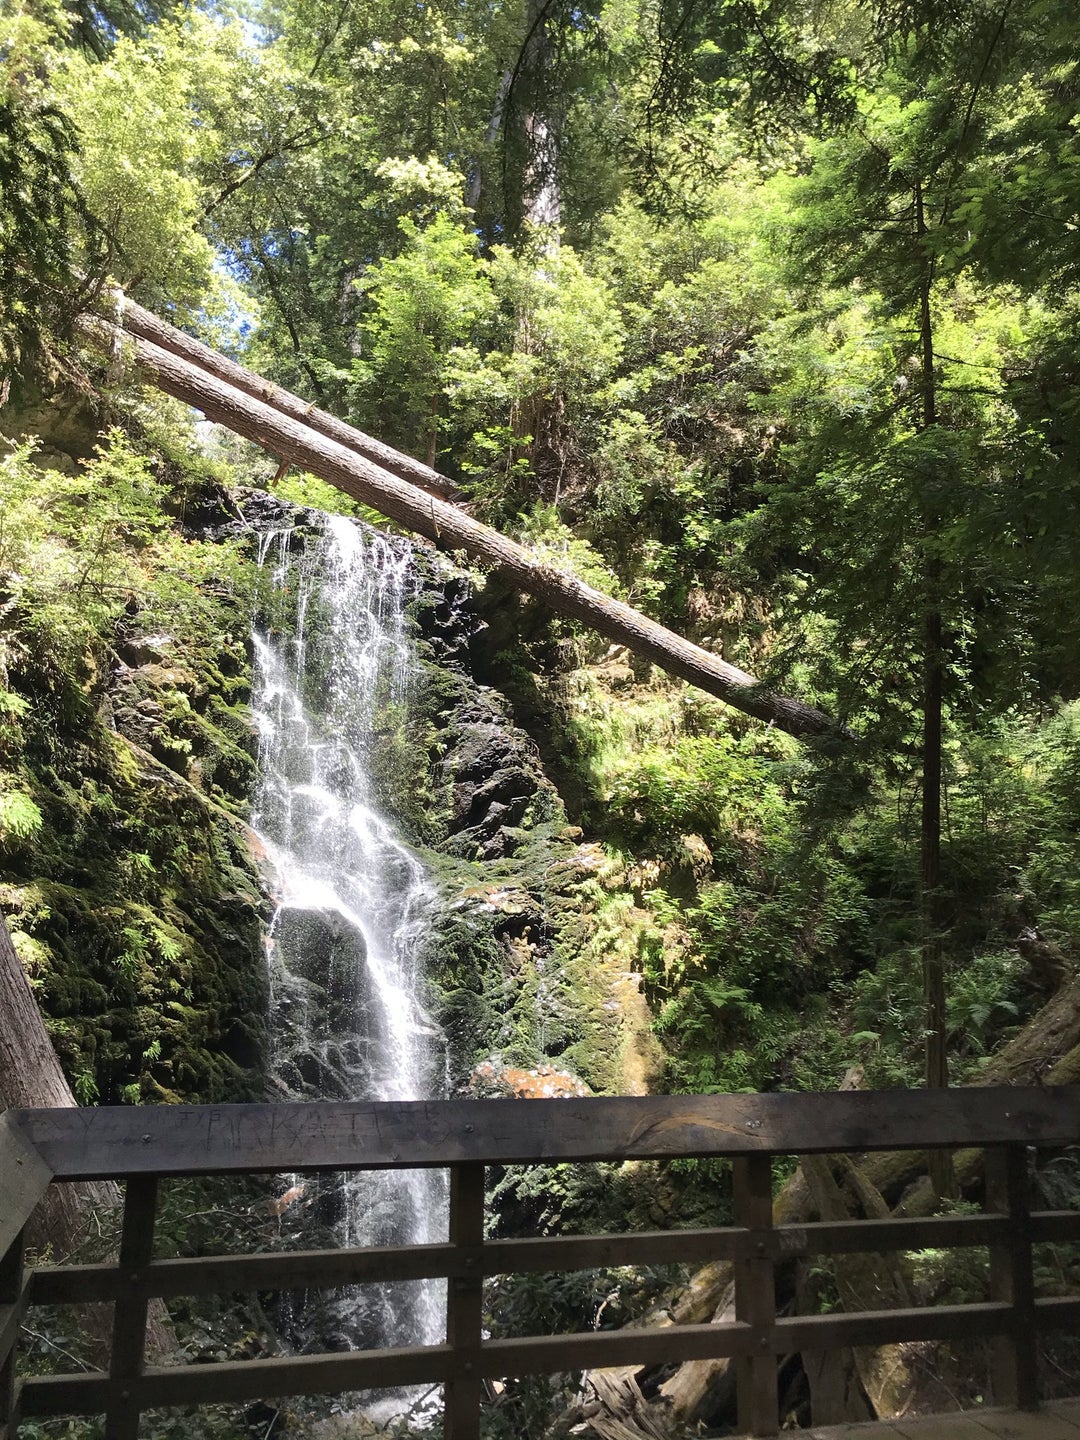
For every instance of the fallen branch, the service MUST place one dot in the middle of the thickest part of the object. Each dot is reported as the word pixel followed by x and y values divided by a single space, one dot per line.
pixel 1046 1052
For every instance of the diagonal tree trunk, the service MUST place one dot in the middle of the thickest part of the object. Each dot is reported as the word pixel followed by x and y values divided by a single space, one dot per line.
pixel 399 499
pixel 146 325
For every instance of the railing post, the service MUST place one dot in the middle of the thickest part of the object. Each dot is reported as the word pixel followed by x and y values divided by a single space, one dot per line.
pixel 464 1305
pixel 11 1304
pixel 129 1318
pixel 1016 1356
pixel 755 1297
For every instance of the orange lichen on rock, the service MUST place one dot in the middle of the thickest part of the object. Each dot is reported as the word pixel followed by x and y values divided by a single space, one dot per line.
pixel 542 1082
pixel 282 1203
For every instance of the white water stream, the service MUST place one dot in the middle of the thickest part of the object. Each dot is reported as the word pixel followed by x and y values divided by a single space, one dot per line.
pixel 347 1015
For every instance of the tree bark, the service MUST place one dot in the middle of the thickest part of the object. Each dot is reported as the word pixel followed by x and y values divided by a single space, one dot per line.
pixel 451 529
pixel 31 1077
pixel 931 899
pixel 134 319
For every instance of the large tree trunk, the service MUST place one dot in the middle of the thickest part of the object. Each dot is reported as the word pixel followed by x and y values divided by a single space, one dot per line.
pixel 541 201
pixel 31 1078
pixel 451 529
pixel 931 898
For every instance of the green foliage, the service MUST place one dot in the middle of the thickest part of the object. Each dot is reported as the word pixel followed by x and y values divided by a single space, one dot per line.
pixel 46 231
pixel 140 154
pixel 131 905
pixel 425 301
pixel 19 816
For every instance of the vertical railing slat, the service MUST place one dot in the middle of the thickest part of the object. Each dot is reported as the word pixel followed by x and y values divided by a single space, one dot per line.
pixel 129 1319
pixel 755 1297
pixel 1016 1356
pixel 11 1285
pixel 464 1304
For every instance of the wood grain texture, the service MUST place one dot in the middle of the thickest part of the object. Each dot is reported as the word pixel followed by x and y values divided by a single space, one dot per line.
pixel 1016 1359
pixel 186 1140
pixel 130 1311
pixel 24 1179
pixel 755 1296
pixel 465 1304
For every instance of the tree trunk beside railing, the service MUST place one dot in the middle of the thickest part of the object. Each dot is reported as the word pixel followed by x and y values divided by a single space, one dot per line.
pixel 31 1076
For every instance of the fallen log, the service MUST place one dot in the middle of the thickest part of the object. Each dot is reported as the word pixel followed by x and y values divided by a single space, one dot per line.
pixel 864 1282
pixel 134 319
pixel 452 529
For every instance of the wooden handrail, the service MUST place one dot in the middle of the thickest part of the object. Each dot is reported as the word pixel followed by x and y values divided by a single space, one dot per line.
pixel 82 1144
pixel 140 1145
pixel 24 1178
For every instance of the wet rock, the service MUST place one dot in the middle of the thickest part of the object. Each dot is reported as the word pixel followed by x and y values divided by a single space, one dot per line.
pixel 444 612
pixel 138 650
pixel 495 777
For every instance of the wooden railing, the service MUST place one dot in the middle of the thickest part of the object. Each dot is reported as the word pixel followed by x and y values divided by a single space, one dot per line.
pixel 38 1147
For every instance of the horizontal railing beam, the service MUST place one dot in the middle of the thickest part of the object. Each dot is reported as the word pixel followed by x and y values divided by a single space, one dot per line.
pixel 95 1143
pixel 239 1380
pixel 333 1269
pixel 850 1237
pixel 1055 1227
pixel 890 1327
pixel 232 1274
pixel 534 1355
pixel 1057 1312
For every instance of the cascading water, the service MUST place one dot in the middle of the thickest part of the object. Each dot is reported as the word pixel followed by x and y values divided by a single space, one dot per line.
pixel 347 1015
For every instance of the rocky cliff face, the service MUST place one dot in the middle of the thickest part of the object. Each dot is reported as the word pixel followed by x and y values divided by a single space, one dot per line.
pixel 138 905
pixel 524 970
pixel 134 899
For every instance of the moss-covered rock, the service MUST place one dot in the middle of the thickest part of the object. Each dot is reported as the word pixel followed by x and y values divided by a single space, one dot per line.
pixel 133 895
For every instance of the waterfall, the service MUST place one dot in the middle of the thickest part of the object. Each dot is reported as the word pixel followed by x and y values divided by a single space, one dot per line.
pixel 347 1013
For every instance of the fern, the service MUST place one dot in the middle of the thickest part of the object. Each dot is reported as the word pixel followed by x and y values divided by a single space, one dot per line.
pixel 19 816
